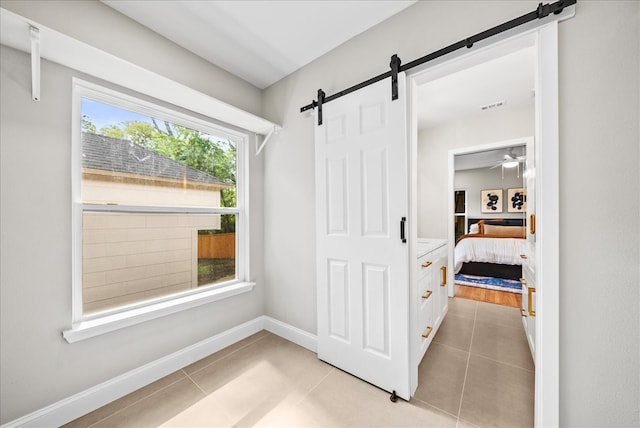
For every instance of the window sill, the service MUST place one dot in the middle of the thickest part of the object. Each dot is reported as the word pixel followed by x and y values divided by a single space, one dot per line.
pixel 95 327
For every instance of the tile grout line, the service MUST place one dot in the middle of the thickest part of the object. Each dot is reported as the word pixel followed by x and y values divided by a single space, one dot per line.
pixel 505 363
pixel 195 383
pixel 435 407
pixel 223 409
pixel 466 370
pixel 186 375
pixel 333 369
pixel 225 356
pixel 135 402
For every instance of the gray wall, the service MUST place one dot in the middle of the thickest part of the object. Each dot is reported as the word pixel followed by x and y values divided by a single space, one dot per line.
pixel 599 116
pixel 476 180
pixel 433 147
pixel 38 367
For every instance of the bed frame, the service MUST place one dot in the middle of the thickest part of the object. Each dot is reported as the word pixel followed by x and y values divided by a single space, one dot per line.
pixel 492 269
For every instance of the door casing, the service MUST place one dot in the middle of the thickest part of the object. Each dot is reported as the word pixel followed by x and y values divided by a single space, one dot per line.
pixel 545 38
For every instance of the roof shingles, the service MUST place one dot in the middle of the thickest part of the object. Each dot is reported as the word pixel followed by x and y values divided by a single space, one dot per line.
pixel 113 154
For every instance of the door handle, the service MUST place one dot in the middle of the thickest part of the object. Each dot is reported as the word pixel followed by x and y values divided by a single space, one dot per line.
pixel 443 269
pixel 403 238
pixel 532 224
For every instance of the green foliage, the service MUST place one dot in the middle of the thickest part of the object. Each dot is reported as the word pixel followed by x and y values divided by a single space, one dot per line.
pixel 112 131
pixel 192 148
pixel 141 133
pixel 88 125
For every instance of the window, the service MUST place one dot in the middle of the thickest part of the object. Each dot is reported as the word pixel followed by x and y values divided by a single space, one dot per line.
pixel 159 204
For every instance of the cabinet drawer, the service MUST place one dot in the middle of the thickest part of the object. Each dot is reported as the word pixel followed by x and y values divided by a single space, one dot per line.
pixel 425 265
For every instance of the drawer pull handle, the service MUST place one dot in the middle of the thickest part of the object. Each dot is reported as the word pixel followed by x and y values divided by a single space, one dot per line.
pixel 427 333
pixel 427 294
pixel 523 313
pixel 523 256
pixel 426 264
pixel 530 298
pixel 443 269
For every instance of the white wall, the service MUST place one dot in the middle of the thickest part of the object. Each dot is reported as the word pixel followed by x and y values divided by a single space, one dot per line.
pixel 599 251
pixel 38 367
pixel 486 127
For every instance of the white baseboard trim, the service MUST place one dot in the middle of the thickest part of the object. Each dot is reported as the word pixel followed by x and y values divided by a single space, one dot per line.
pixel 291 333
pixel 73 407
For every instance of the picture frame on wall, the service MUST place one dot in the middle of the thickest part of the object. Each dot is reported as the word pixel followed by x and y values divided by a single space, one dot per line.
pixel 491 201
pixel 517 200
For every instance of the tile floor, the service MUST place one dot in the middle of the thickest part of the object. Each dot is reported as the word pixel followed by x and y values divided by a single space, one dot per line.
pixel 477 372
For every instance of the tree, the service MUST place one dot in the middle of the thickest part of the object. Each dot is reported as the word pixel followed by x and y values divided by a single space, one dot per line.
pixel 112 131
pixel 216 157
pixel 88 125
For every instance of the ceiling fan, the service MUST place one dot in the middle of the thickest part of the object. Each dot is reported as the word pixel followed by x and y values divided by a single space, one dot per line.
pixel 510 160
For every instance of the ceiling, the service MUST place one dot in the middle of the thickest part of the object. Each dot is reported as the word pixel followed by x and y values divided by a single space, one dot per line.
pixel 486 159
pixel 259 41
pixel 263 41
pixel 508 79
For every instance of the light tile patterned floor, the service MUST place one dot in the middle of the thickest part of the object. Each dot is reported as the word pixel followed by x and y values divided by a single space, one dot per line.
pixel 477 372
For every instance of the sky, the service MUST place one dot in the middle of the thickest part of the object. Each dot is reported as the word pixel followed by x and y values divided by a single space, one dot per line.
pixel 104 115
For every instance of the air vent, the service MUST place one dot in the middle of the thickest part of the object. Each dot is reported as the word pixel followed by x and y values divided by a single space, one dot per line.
pixel 493 105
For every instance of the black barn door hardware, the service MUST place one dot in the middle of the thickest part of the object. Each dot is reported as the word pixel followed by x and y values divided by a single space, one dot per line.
pixel 542 11
pixel 395 67
pixel 403 236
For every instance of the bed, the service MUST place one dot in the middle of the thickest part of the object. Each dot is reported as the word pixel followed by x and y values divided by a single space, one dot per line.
pixel 492 248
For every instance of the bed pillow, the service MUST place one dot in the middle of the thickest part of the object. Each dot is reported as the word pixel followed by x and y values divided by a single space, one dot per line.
pixel 505 231
pixel 474 228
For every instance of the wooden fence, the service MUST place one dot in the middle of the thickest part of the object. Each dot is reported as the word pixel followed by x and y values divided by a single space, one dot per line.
pixel 218 246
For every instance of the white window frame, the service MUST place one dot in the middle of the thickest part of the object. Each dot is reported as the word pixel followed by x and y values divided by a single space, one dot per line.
pixel 86 326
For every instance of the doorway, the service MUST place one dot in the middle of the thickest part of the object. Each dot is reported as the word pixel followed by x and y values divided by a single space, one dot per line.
pixel 489 269
pixel 430 218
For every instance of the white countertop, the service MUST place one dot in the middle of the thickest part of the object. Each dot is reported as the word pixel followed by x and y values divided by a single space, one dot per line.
pixel 426 245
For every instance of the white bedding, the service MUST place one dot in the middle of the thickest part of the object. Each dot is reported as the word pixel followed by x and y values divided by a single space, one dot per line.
pixel 504 251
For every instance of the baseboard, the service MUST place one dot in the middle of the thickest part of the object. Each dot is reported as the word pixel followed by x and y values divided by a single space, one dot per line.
pixel 73 407
pixel 291 333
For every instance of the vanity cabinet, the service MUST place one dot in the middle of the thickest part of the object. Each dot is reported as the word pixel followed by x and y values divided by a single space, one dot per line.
pixel 528 309
pixel 429 294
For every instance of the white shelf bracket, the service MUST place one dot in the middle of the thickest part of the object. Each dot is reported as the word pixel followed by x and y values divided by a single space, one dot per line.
pixel 35 63
pixel 266 139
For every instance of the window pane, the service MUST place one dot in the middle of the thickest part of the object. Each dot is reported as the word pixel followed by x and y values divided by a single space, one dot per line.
pixel 131 159
pixel 460 201
pixel 217 252
pixel 132 257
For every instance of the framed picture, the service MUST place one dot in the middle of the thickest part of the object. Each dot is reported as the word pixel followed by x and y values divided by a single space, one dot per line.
pixel 517 200
pixel 491 201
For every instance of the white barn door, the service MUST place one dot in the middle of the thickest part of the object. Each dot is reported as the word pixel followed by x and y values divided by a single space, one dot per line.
pixel 362 263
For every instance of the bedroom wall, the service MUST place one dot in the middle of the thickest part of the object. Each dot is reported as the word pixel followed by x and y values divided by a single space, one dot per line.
pixel 38 367
pixel 599 115
pixel 476 180
pixel 434 144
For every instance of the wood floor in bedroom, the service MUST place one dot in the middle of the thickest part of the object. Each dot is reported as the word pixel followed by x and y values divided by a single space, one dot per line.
pixel 513 300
